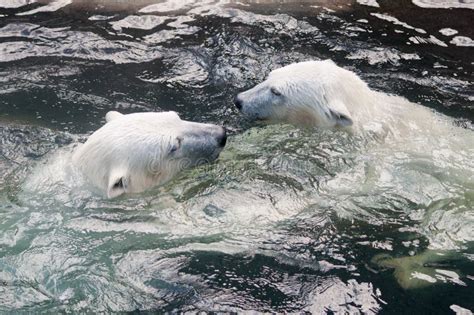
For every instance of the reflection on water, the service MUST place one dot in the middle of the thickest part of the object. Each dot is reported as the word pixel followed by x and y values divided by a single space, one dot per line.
pixel 287 220
pixel 444 4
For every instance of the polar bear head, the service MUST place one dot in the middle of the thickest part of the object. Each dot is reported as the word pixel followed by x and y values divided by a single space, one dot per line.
pixel 133 152
pixel 311 93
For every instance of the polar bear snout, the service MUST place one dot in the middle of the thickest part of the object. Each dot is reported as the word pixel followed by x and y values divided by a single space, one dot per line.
pixel 244 101
pixel 222 137
pixel 238 102
pixel 258 103
pixel 214 135
pixel 202 142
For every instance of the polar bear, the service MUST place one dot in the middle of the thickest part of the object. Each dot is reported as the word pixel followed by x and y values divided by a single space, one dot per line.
pixel 322 94
pixel 311 93
pixel 420 154
pixel 133 152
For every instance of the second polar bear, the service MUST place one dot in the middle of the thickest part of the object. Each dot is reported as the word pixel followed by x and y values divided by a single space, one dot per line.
pixel 322 94
pixel 399 150
pixel 133 152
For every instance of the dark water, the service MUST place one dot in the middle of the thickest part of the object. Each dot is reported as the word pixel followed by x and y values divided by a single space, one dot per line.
pixel 246 233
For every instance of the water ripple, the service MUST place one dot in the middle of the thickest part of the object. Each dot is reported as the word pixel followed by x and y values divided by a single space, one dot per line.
pixel 287 220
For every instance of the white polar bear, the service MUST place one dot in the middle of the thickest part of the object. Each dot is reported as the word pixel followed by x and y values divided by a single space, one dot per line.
pixel 133 152
pixel 322 94
pixel 419 154
pixel 311 93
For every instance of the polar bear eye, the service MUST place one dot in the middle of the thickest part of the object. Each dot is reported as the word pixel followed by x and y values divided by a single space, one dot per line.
pixel 275 91
pixel 177 145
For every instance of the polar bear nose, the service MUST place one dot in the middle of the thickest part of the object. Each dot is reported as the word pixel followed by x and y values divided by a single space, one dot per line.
pixel 222 139
pixel 238 102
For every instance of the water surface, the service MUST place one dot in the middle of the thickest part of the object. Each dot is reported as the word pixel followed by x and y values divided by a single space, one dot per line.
pixel 287 220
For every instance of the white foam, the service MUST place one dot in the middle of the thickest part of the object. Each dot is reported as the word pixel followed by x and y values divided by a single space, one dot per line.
pixel 143 22
pixel 448 31
pixel 50 7
pixel 444 4
pixel 396 21
pixel 422 276
pixel 100 17
pixel 370 3
pixel 462 41
pixel 172 5
pixel 381 55
pixel 11 4
pixel 344 298
pixel 427 40
pixel 460 310
pixel 449 275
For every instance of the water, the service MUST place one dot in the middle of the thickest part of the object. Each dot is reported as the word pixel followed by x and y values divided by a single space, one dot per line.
pixel 288 219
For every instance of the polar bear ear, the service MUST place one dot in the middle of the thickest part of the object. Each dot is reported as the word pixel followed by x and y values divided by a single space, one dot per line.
pixel 118 184
pixel 112 115
pixel 341 120
pixel 339 114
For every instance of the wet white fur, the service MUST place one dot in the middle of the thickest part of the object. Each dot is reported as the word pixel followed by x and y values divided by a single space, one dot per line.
pixel 319 93
pixel 419 155
pixel 133 152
